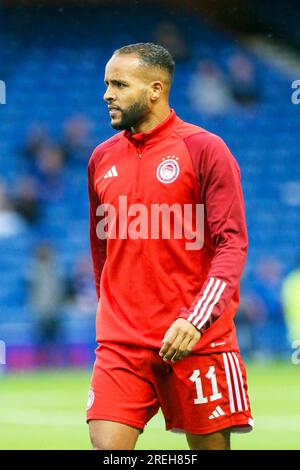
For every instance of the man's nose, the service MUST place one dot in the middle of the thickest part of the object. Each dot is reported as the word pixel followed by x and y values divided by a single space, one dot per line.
pixel 109 95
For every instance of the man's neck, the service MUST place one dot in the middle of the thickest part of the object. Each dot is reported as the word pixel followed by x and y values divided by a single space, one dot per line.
pixel 152 121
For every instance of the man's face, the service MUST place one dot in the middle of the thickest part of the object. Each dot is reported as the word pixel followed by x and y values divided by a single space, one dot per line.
pixel 128 91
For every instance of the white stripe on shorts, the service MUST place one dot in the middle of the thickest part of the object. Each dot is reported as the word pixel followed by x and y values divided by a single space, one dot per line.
pixel 236 384
pixel 241 380
pixel 228 379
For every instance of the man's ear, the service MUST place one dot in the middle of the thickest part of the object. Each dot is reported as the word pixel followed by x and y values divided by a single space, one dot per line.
pixel 157 88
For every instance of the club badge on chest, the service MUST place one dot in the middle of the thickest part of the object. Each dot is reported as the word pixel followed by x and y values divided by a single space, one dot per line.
pixel 168 170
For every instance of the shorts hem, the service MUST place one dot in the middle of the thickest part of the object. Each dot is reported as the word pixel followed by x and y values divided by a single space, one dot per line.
pixel 116 419
pixel 236 426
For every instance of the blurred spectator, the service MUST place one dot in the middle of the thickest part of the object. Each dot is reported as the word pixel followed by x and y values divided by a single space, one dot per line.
pixel 37 138
pixel 76 144
pixel 26 202
pixel 10 222
pixel 250 318
pixel 265 288
pixel 208 90
pixel 243 80
pixel 291 302
pixel 49 172
pixel 168 35
pixel 46 291
pixel 81 286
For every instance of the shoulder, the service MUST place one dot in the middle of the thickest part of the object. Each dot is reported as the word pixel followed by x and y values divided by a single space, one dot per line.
pixel 198 139
pixel 206 149
pixel 101 149
pixel 196 136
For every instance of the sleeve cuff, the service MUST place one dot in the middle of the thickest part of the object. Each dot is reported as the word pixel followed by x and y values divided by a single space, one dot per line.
pixel 185 313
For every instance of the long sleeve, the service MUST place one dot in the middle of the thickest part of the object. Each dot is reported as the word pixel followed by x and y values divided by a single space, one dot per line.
pixel 221 193
pixel 98 246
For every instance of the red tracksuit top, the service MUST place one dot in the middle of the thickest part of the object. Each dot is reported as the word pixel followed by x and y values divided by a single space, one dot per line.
pixel 144 285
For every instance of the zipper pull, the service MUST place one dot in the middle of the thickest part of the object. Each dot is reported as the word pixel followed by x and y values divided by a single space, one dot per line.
pixel 140 155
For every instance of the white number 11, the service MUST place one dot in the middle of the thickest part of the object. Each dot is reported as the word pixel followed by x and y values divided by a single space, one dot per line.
pixel 195 377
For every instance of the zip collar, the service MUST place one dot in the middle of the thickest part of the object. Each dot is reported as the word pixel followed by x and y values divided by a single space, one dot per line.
pixel 157 133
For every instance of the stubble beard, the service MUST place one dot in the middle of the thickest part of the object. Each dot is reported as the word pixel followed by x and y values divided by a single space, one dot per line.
pixel 132 115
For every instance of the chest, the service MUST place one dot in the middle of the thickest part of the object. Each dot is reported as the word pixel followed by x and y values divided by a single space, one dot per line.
pixel 147 175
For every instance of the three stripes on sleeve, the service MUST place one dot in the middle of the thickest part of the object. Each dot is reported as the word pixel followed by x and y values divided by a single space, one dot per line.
pixel 207 302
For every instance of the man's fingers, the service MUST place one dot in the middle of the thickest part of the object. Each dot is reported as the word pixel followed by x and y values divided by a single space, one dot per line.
pixel 190 347
pixel 164 348
pixel 167 342
pixel 193 342
pixel 183 350
pixel 177 356
pixel 170 335
pixel 169 349
pixel 178 342
pixel 176 350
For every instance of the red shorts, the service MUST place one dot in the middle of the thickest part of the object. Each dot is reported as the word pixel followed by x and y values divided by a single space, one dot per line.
pixel 199 394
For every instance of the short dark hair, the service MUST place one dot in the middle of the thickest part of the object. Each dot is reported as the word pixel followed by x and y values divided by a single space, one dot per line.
pixel 151 54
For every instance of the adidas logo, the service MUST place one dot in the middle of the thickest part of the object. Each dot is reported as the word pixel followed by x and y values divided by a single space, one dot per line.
pixel 112 172
pixel 217 413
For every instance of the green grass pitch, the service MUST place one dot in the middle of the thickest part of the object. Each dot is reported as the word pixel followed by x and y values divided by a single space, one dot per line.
pixel 46 410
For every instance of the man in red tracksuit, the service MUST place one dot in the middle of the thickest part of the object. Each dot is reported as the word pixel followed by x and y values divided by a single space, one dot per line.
pixel 168 243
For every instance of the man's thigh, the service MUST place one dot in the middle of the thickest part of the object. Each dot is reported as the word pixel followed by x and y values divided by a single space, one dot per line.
pixel 219 440
pixel 109 435
pixel 120 392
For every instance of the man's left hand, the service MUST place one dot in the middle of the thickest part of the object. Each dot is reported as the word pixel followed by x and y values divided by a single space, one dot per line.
pixel 179 340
